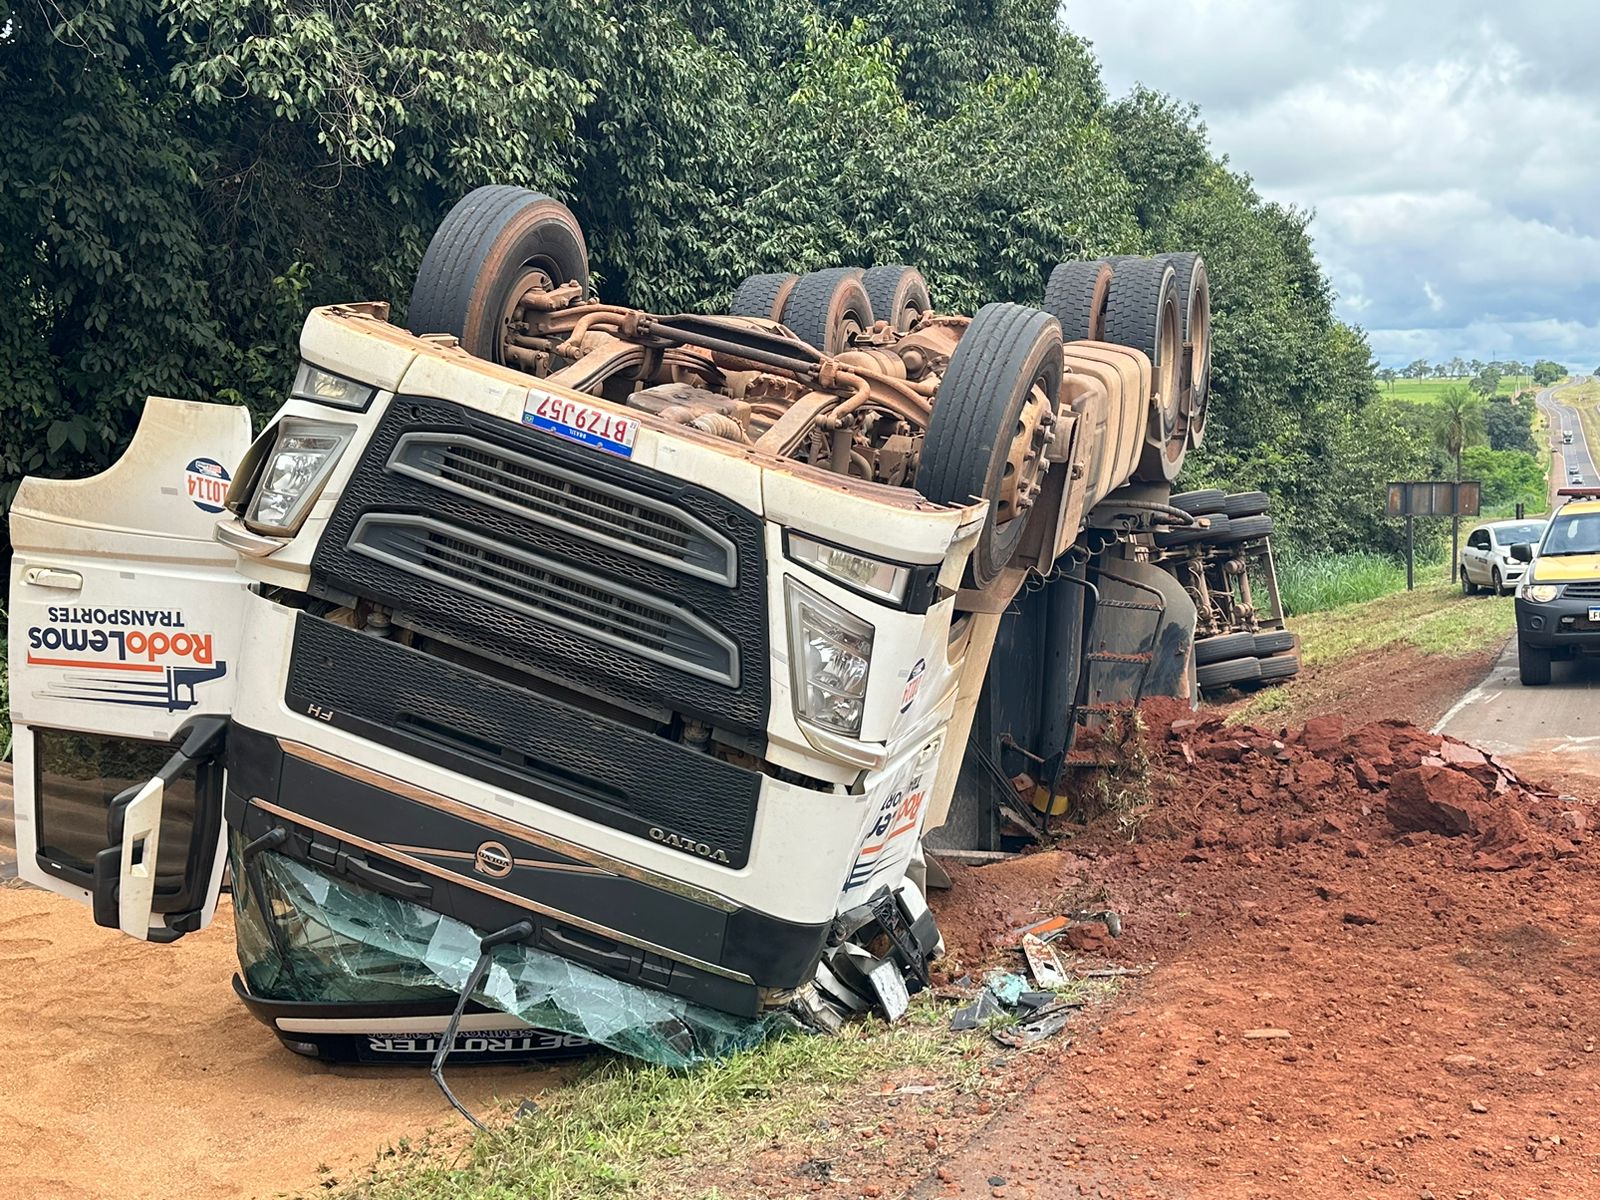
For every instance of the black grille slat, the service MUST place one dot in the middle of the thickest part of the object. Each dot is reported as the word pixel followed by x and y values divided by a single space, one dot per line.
pixel 639 593
pixel 550 494
pixel 544 588
pixel 1585 590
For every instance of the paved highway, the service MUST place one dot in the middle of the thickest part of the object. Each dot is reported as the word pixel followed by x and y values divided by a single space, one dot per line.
pixel 1563 419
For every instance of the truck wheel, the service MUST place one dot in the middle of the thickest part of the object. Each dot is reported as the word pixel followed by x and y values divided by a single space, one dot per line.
pixel 1533 665
pixel 898 294
pixel 1076 295
pixel 1246 504
pixel 1274 641
pixel 1190 534
pixel 1143 313
pixel 1245 529
pixel 1223 647
pixel 1278 667
pixel 495 245
pixel 763 295
pixel 828 308
pixel 1228 674
pixel 984 439
pixel 1200 503
pixel 1194 291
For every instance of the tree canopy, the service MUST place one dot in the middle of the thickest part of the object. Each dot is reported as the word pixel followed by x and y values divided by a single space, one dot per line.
pixel 181 179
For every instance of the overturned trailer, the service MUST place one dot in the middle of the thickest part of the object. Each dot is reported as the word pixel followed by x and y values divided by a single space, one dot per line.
pixel 590 674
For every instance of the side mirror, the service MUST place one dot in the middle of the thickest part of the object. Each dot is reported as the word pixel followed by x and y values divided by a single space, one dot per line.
pixel 1522 552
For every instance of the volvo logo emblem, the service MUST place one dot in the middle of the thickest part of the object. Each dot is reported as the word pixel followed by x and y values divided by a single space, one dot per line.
pixel 492 859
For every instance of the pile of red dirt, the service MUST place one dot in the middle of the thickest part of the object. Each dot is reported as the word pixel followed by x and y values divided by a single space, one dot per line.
pixel 1242 788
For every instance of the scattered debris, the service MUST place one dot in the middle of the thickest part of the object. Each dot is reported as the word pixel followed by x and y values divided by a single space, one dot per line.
pixel 1261 1035
pixel 1043 964
pixel 976 1014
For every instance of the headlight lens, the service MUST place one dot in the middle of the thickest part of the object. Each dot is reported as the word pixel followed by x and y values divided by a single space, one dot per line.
pixel 297 466
pixel 1541 593
pixel 886 580
pixel 830 653
pixel 324 387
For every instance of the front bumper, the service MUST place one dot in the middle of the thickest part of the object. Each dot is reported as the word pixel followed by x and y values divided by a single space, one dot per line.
pixel 1559 624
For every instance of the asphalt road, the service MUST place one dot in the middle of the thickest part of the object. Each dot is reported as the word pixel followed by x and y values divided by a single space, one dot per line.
pixel 1564 418
pixel 1549 730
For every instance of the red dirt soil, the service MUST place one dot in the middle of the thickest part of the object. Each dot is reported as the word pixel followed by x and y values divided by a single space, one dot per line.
pixel 1346 1001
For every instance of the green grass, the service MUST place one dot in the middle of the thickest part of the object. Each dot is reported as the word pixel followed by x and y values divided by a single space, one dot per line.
pixel 628 1129
pixel 1432 389
pixel 1327 581
pixel 1435 618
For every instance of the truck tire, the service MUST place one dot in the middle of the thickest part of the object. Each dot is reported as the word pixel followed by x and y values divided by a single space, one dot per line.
pixel 1076 295
pixel 898 294
pixel 1143 313
pixel 1230 673
pixel 1274 641
pixel 1246 504
pixel 1533 665
pixel 1223 647
pixel 763 295
pixel 1194 291
pixel 1278 667
pixel 1201 503
pixel 1190 534
pixel 494 245
pixel 1006 352
pixel 827 308
pixel 1246 529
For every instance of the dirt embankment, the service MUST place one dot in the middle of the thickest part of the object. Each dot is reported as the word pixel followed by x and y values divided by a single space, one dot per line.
pixel 1377 973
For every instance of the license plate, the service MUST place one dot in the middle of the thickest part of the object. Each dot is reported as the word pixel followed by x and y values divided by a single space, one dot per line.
pixel 1594 612
pixel 580 422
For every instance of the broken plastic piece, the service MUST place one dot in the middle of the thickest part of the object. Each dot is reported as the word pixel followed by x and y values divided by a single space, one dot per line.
pixel 1043 963
pixel 971 1016
pixel 304 935
pixel 1007 986
pixel 1026 1033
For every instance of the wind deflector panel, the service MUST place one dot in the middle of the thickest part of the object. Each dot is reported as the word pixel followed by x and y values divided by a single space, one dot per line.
pixel 483 533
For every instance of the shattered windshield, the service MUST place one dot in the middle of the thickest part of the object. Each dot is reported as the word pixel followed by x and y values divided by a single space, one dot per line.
pixel 304 935
pixel 1576 533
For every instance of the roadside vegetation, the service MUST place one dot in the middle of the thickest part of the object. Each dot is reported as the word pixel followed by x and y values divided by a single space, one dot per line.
pixel 1311 584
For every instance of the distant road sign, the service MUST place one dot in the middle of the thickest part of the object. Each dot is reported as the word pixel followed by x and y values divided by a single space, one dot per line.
pixel 1434 498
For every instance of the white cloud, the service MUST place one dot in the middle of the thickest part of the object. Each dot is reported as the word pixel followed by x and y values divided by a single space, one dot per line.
pixel 1448 149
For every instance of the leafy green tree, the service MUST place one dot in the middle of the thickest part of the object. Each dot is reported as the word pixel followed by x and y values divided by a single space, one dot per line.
pixel 1417 370
pixel 1508 476
pixel 1546 372
pixel 1508 425
pixel 1486 380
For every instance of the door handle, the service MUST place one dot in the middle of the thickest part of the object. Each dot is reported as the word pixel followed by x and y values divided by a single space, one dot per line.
pixel 53 577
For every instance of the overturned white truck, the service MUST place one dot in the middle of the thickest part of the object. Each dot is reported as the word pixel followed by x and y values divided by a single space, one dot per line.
pixel 596 674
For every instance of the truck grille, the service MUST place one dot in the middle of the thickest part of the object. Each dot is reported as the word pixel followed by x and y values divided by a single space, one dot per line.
pixel 584 505
pixel 576 600
pixel 1586 590
pixel 571 565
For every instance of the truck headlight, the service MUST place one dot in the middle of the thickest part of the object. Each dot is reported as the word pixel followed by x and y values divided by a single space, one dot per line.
pixel 1540 593
pixel 293 473
pixel 312 382
pixel 885 580
pixel 830 653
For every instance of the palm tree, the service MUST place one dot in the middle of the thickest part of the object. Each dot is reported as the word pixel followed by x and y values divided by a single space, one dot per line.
pixel 1459 422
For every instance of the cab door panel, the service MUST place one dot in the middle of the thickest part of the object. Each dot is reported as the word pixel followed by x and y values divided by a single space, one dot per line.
pixel 124 615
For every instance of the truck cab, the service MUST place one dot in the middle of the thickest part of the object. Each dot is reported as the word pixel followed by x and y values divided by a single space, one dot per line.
pixel 634 654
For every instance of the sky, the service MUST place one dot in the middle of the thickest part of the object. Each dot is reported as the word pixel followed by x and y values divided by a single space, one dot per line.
pixel 1450 150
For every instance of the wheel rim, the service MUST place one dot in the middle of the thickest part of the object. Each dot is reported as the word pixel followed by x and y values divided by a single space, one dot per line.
pixel 1019 477
pixel 533 277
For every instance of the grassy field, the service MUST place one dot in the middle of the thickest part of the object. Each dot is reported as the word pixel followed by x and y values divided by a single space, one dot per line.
pixel 1432 389
pixel 1327 581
